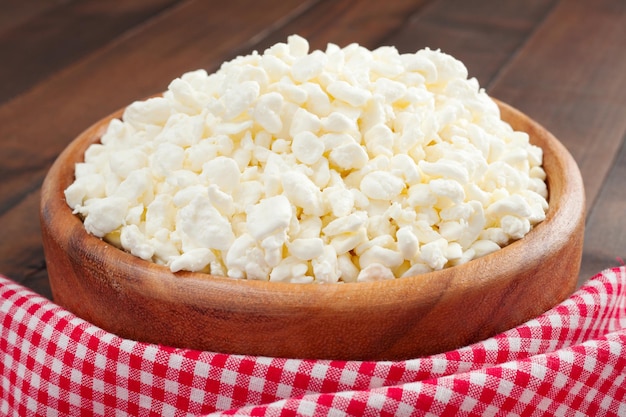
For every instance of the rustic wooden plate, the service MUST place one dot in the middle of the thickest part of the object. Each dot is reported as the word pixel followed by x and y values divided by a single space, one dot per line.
pixel 388 320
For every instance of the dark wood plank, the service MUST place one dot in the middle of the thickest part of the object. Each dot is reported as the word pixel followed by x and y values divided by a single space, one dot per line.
pixel 561 62
pixel 485 35
pixel 342 23
pixel 605 237
pixel 20 249
pixel 195 35
pixel 39 123
pixel 172 48
pixel 47 42
pixel 482 34
pixel 15 12
pixel 574 83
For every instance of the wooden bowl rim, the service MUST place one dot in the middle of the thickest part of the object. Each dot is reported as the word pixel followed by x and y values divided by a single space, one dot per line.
pixel 563 207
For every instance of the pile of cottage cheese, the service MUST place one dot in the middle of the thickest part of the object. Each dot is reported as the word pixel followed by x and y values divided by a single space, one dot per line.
pixel 328 166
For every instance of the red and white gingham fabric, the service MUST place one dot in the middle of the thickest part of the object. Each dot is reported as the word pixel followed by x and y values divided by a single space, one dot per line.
pixel 571 361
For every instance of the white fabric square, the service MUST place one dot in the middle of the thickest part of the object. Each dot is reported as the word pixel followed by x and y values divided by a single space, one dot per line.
pixel 98 408
pixel 404 409
pixel 74 399
pixel 76 376
pixel 538 371
pixel 201 370
pixel 307 408
pixel 145 402
pixel 228 377
pixel 443 394
pixel 56 366
pixel 319 370
pixel 31 404
pixel 292 365
pixel 526 397
pixel 590 363
pixel 544 404
pixel 40 356
pixel 506 384
pixel 149 354
pixel 168 410
pixel 146 378
pixel 197 395
pixel 348 376
pixel 491 411
pixel 175 362
pixel 62 342
pixel 223 402
pixel 283 390
pixel 376 382
pixel 11 337
pixel 97 385
pixel 376 400
pixel 121 393
pixel 122 370
pixel 591 395
pixel 100 361
pixel 172 386
pixel 256 384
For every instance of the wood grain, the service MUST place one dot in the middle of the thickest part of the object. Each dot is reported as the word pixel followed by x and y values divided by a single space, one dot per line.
pixel 385 320
pixel 583 105
pixel 66 104
pixel 605 241
pixel 483 35
pixel 561 61
pixel 60 35
pixel 15 12
pixel 22 253
pixel 340 22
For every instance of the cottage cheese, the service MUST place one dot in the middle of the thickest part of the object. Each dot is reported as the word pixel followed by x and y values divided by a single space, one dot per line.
pixel 328 166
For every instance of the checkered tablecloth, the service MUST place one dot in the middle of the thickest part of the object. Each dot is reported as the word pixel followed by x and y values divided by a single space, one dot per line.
pixel 571 361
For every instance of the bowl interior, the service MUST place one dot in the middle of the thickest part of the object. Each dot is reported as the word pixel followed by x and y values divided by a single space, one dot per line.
pixel 385 320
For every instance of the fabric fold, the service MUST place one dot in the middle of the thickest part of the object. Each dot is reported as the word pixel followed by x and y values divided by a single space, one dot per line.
pixel 571 358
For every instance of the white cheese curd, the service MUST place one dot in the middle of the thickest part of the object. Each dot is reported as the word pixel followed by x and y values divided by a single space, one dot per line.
pixel 343 165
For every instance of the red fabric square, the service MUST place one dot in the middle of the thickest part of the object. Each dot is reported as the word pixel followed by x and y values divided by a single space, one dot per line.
pixel 570 359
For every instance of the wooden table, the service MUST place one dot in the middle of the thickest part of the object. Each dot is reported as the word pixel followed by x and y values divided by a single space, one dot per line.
pixel 66 63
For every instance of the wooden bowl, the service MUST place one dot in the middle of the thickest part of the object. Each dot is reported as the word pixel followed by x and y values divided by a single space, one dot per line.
pixel 387 320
